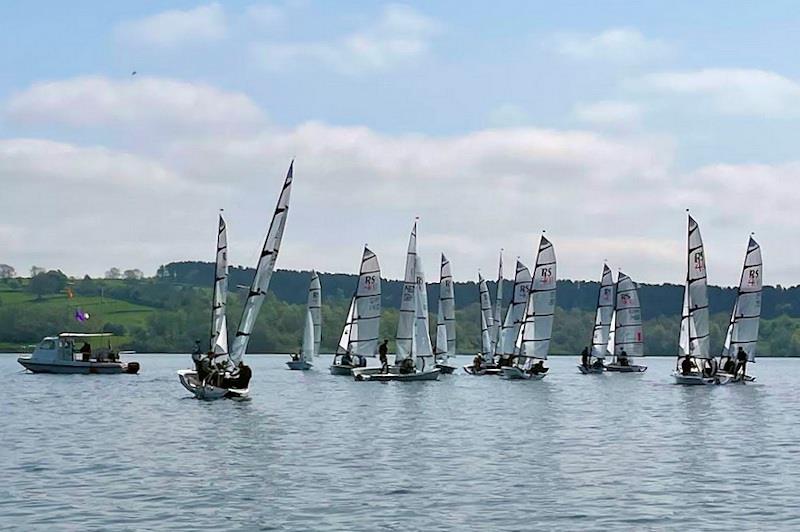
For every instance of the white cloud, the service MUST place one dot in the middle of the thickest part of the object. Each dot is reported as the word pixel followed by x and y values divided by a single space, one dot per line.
pixel 174 28
pixel 399 36
pixel 742 92
pixel 160 106
pixel 609 113
pixel 622 45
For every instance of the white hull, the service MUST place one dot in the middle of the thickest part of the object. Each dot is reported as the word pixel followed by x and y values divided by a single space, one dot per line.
pixel 206 392
pixel 484 371
pixel 430 375
pixel 632 368
pixel 695 379
pixel 78 366
pixel 341 369
pixel 591 370
pixel 514 373
pixel 300 365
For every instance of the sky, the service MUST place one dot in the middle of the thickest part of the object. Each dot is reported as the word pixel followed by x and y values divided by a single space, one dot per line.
pixel 598 122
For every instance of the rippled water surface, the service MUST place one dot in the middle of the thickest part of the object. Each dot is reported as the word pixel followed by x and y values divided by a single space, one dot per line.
pixel 316 452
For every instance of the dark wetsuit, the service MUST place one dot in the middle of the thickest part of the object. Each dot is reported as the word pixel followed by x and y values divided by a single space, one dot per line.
pixel 686 366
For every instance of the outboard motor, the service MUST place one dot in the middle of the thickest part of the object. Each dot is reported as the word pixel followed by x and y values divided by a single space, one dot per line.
pixel 132 368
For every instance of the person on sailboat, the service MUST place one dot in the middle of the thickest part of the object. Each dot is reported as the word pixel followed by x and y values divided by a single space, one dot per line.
pixel 729 366
pixel 687 365
pixel 585 357
pixel 709 367
pixel 347 360
pixel 477 362
pixel 623 358
pixel 741 362
pixel 383 355
pixel 538 368
pixel 407 366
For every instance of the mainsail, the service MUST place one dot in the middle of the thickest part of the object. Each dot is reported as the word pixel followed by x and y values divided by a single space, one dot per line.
pixel 533 340
pixel 603 315
pixel 264 269
pixel 516 310
pixel 694 340
pixel 497 325
pixel 743 327
pixel 360 333
pixel 486 319
pixel 219 323
pixel 628 329
pixel 446 316
pixel 405 325
pixel 421 335
pixel 314 306
pixel 307 350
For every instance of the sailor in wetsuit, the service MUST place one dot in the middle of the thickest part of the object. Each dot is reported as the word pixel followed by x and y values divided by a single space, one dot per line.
pixel 585 357
pixel 686 366
pixel 741 362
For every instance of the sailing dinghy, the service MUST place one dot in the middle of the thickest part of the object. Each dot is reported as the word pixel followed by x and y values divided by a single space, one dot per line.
pixel 601 333
pixel 628 340
pixel 487 366
pixel 445 346
pixel 743 327
pixel 229 377
pixel 359 337
pixel 694 357
pixel 514 315
pixel 312 331
pixel 533 339
pixel 414 360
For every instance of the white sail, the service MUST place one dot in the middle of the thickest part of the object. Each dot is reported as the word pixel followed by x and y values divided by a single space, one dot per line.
pixel 694 339
pixel 366 311
pixel 307 351
pixel 344 339
pixel 440 346
pixel 603 315
pixel 404 339
pixel 612 328
pixel 628 329
pixel 497 314
pixel 219 322
pixel 421 336
pixel 264 269
pixel 314 306
pixel 533 340
pixel 486 319
pixel 743 327
pixel 516 310
pixel 446 316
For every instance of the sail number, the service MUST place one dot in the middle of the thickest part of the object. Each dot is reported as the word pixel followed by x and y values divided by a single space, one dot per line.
pixel 699 261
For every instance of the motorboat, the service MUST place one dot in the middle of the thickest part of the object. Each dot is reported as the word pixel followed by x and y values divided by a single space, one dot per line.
pixel 59 354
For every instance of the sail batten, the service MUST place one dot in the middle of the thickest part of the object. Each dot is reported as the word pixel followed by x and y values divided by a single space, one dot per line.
pixel 264 270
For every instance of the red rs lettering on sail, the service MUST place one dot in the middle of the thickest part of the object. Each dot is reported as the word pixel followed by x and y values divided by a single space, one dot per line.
pixel 699 261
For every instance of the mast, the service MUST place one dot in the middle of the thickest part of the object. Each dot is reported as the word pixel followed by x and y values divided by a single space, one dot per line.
pixel 628 333
pixel 405 324
pixel 497 325
pixel 446 317
pixel 743 327
pixel 533 340
pixel 219 324
pixel 366 308
pixel 606 299
pixel 264 270
pixel 516 310
pixel 486 319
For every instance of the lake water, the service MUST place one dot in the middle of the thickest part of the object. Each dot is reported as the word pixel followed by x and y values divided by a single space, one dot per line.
pixel 316 452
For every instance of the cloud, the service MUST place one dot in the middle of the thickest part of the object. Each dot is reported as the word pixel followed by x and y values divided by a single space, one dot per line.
pixel 173 28
pixel 398 36
pixel 737 92
pixel 159 106
pixel 609 113
pixel 622 45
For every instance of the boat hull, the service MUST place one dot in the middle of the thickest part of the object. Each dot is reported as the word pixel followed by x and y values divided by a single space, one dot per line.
pixel 340 369
pixel 632 368
pixel 693 379
pixel 206 392
pixel 514 373
pixel 444 369
pixel 483 371
pixel 299 365
pixel 79 367
pixel 591 370
pixel 430 375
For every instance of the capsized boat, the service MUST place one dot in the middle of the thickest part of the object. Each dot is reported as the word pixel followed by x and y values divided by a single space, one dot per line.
pixel 601 333
pixel 743 327
pixel 486 358
pixel 533 339
pixel 445 346
pixel 58 354
pixel 693 344
pixel 227 376
pixel 414 360
pixel 359 336
pixel 628 339
pixel 312 331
